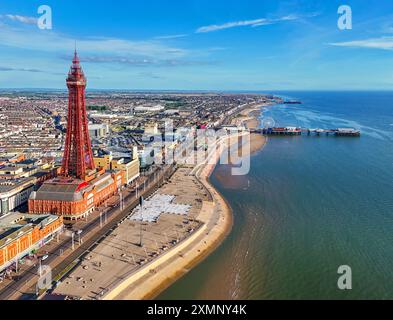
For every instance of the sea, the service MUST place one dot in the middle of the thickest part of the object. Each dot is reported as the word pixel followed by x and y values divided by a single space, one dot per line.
pixel 311 205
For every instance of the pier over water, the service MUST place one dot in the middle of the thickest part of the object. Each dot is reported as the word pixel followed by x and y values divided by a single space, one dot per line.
pixel 295 131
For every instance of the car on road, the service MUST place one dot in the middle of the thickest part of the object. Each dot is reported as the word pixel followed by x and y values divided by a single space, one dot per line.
pixel 44 257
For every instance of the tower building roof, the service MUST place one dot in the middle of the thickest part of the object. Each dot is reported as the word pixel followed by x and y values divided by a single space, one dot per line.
pixel 76 72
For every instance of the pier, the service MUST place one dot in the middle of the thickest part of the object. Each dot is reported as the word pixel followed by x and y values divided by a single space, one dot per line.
pixel 295 131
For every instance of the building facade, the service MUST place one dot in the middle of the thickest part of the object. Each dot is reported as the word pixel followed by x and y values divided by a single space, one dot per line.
pixel 20 234
pixel 84 183
pixel 98 130
pixel 129 166
pixel 82 186
pixel 14 193
pixel 74 199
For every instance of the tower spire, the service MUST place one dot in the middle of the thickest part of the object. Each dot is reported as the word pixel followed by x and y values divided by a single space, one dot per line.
pixel 78 155
pixel 75 61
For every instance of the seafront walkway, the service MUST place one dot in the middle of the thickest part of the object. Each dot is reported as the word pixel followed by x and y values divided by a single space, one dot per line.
pixel 62 255
pixel 216 217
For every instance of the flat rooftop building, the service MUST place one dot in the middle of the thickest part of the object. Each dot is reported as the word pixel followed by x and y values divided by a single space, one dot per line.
pixel 20 234
pixel 72 198
pixel 98 130
pixel 14 193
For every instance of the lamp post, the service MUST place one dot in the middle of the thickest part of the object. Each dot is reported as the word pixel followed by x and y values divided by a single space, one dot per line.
pixel 72 240
pixel 140 230
pixel 40 267
pixel 121 199
pixel 79 236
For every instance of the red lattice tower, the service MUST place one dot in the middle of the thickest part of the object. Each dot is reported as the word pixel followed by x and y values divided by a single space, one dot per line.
pixel 78 156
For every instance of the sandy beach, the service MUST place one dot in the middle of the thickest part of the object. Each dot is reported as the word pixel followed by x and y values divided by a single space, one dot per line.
pixel 217 219
pixel 212 222
pixel 216 216
pixel 253 145
pixel 249 117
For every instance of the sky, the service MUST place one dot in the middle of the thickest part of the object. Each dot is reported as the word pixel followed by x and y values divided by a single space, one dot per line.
pixel 199 44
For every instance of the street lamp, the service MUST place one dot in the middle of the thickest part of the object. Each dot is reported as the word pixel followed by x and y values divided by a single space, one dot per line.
pixel 121 199
pixel 40 267
pixel 72 240
pixel 140 230
pixel 79 236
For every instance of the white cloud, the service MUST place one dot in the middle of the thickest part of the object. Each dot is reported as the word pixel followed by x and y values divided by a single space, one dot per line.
pixel 384 43
pixel 228 25
pixel 290 17
pixel 252 23
pixel 31 38
pixel 21 19
pixel 144 62
pixel 20 69
pixel 175 36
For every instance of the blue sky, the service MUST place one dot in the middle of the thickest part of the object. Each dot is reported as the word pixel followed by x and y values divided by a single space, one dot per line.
pixel 199 45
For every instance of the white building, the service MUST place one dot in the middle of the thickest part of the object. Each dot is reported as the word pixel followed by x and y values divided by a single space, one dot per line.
pixel 151 128
pixel 14 193
pixel 156 108
pixel 98 130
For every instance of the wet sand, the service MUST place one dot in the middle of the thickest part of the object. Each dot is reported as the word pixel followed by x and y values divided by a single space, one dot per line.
pixel 248 118
pixel 256 143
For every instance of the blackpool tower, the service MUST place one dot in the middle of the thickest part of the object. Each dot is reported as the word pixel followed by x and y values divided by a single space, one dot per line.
pixel 78 156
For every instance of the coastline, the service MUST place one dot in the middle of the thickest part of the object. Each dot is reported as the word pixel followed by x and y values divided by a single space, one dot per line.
pixel 217 218
pixel 227 220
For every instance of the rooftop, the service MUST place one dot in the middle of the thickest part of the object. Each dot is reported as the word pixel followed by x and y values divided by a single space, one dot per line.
pixel 61 189
pixel 69 189
pixel 15 225
pixel 8 185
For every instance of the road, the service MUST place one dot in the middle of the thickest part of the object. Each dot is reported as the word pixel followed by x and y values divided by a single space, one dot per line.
pixel 24 287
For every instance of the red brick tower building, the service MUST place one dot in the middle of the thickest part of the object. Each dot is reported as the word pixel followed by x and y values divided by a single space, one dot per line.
pixel 78 156
pixel 81 187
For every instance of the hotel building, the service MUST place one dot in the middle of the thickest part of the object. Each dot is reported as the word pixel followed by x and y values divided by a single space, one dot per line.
pixel 21 234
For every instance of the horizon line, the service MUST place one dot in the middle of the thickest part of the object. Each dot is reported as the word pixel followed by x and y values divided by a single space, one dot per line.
pixel 192 90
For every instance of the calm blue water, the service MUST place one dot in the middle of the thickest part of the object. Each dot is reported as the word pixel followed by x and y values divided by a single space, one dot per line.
pixel 313 204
